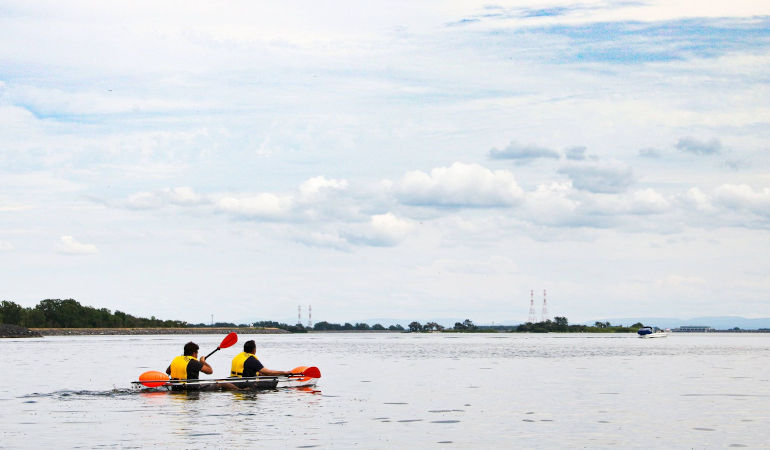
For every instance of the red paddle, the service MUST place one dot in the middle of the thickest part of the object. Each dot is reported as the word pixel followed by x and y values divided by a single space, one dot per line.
pixel 305 372
pixel 228 341
pixel 312 372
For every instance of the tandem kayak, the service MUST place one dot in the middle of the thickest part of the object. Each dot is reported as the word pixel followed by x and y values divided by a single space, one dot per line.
pixel 255 383
pixel 302 377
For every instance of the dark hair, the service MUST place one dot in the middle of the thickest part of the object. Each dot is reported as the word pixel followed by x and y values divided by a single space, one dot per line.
pixel 190 348
pixel 249 346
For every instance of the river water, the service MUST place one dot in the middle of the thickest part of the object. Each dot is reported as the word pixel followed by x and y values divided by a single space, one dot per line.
pixel 398 390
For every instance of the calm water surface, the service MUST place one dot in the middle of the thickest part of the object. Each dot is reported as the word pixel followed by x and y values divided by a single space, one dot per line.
pixel 399 390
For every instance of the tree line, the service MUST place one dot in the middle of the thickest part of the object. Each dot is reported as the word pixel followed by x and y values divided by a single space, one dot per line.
pixel 56 313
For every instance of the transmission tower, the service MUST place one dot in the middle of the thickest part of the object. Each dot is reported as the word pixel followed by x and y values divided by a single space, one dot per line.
pixel 531 306
pixel 310 316
pixel 544 314
pixel 299 314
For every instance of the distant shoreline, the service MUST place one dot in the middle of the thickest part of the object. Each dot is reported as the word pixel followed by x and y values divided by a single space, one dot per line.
pixel 147 331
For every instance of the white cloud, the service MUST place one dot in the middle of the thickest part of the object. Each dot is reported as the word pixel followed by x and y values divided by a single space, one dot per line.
pixel 698 200
pixel 260 206
pixel 318 185
pixel 5 246
pixel 743 198
pixel 648 201
pixel 383 230
pixel 460 185
pixel 69 246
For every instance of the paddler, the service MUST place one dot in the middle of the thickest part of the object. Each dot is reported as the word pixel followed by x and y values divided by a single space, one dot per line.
pixel 188 366
pixel 246 364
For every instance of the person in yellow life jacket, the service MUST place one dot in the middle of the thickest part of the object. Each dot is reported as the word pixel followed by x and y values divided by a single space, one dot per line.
pixel 188 366
pixel 246 364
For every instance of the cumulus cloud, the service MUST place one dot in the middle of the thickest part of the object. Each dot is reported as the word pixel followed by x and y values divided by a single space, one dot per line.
pixel 697 200
pixel 5 246
pixel 260 206
pixel 383 230
pixel 317 186
pixel 523 153
pixel 69 246
pixel 553 204
pixel 606 178
pixel 699 147
pixel 743 198
pixel 460 185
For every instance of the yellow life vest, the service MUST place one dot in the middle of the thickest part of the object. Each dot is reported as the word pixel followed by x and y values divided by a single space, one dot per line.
pixel 179 367
pixel 236 369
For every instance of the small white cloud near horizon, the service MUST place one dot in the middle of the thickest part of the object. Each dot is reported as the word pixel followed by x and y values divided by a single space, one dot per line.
pixel 69 246
pixel 5 246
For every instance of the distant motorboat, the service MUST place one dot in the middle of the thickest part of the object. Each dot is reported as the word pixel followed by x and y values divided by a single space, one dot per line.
pixel 649 332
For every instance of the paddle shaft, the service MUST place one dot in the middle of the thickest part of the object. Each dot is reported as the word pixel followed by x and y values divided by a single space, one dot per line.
pixel 207 356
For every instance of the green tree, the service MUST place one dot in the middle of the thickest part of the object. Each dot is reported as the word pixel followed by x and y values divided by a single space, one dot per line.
pixel 11 312
pixel 377 327
pixel 415 326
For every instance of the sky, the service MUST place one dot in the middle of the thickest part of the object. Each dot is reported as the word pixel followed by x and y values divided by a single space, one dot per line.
pixel 232 160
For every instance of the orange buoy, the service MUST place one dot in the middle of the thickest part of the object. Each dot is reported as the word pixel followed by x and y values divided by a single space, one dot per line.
pixel 153 378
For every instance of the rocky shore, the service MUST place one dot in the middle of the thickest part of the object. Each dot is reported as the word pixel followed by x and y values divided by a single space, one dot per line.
pixel 141 331
pixel 15 331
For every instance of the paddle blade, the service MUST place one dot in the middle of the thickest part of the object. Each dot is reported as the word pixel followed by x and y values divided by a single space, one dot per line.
pixel 153 378
pixel 229 340
pixel 308 372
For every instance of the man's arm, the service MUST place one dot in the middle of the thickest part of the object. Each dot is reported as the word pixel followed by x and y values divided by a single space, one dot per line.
pixel 274 372
pixel 206 368
pixel 168 370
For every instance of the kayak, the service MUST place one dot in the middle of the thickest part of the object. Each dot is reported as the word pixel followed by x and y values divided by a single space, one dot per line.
pixel 301 377
pixel 253 383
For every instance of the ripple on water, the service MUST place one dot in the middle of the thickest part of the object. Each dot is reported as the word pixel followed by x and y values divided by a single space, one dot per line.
pixel 409 420
pixel 445 421
pixel 445 442
pixel 395 403
pixel 703 429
